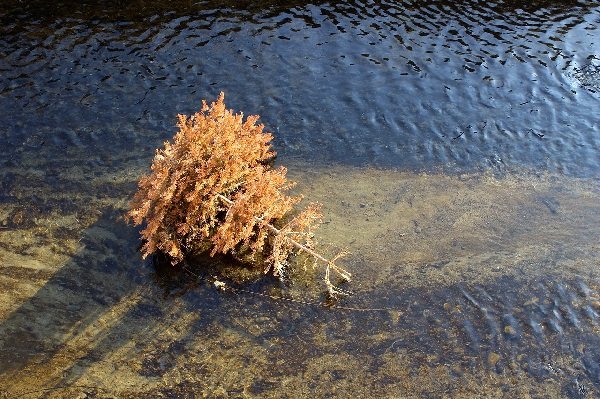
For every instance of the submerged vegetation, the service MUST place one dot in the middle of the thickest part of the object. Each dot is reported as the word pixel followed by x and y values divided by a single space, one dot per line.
pixel 214 188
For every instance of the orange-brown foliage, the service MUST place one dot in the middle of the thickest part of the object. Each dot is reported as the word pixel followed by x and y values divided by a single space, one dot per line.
pixel 213 183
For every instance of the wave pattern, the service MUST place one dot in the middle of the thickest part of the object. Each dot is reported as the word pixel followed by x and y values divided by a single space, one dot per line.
pixel 546 329
pixel 407 84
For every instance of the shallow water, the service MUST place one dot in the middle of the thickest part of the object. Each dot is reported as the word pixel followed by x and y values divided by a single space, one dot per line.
pixel 455 150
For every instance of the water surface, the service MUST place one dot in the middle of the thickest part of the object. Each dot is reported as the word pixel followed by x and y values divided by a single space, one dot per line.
pixel 454 147
pixel 406 84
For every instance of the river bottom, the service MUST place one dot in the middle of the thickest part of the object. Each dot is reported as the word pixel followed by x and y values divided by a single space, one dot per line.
pixel 464 286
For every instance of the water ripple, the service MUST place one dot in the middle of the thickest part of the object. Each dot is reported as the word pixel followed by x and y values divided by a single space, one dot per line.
pixel 408 84
pixel 506 326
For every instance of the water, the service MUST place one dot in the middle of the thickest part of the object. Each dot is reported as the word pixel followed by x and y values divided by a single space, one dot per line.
pixel 410 85
pixel 473 229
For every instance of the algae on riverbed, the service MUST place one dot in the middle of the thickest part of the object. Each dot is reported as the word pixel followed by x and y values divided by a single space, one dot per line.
pixel 485 286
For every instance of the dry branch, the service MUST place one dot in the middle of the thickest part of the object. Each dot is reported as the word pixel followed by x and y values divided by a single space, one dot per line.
pixel 218 158
pixel 330 264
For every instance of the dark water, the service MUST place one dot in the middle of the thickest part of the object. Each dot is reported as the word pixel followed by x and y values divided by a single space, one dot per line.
pixel 474 289
pixel 407 84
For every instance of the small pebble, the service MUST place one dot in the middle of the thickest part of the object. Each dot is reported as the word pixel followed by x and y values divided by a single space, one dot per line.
pixel 493 358
pixel 509 330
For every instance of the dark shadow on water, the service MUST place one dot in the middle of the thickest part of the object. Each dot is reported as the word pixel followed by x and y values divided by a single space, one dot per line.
pixel 117 10
pixel 106 310
pixel 103 300
pixel 75 296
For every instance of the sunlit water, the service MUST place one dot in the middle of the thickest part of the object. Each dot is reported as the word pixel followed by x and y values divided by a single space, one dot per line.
pixel 474 235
